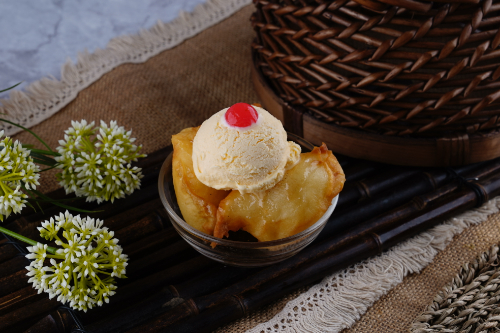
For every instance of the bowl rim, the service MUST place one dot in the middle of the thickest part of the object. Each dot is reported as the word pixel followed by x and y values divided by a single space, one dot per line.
pixel 225 242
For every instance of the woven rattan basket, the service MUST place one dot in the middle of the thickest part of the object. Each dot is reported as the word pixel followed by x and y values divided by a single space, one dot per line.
pixel 397 81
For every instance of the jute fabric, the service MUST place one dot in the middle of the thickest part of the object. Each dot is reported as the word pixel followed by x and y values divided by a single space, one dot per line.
pixel 396 311
pixel 183 86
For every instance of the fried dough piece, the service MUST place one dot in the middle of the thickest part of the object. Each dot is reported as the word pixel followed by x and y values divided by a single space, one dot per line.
pixel 291 206
pixel 198 202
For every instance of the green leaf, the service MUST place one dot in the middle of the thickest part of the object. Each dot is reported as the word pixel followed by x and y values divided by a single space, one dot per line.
pixel 46 160
pixel 41 162
pixel 29 131
pixel 1 91
pixel 44 152
pixel 57 203
pixel 46 169
pixel 31 196
pixel 30 205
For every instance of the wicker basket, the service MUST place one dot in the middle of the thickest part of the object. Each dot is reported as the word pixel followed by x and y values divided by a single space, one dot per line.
pixel 398 81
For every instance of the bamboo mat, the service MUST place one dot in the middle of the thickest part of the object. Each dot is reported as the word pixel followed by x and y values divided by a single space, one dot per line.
pixel 396 311
pixel 182 87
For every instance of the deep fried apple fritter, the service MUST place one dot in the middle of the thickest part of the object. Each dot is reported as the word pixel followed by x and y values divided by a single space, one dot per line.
pixel 291 206
pixel 198 202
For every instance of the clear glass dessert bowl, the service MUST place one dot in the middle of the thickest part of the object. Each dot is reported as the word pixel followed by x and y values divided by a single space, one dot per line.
pixel 232 252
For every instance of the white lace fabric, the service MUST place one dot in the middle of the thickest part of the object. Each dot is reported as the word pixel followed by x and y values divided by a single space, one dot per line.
pixel 45 97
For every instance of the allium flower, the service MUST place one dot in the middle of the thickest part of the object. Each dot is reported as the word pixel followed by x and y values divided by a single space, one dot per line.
pixel 16 169
pixel 38 253
pixel 82 271
pixel 96 161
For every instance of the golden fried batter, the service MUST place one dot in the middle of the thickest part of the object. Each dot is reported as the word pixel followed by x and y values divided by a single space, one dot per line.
pixel 291 206
pixel 198 202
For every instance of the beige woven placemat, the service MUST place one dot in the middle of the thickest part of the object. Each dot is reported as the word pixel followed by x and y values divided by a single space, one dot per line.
pixel 182 87
pixel 396 311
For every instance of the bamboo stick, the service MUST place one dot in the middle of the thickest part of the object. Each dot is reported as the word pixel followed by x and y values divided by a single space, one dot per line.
pixel 145 226
pixel 218 277
pixel 128 216
pixel 136 270
pixel 7 252
pixel 13 282
pixel 149 285
pixel 181 244
pixel 203 284
pixel 58 321
pixel 153 242
pixel 165 257
pixel 360 190
pixel 360 170
pixel 22 318
pixel 13 265
pixel 235 305
pixel 193 306
pixel 154 158
pixel 142 246
pixel 191 287
pixel 417 185
pixel 46 324
pixel 19 299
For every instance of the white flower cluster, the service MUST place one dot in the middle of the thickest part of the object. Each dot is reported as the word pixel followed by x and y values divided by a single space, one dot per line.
pixel 17 169
pixel 98 168
pixel 82 271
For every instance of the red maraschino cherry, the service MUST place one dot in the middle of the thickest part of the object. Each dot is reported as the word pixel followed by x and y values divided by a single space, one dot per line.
pixel 241 115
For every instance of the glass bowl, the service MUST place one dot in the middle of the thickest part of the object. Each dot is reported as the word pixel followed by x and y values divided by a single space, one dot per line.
pixel 237 253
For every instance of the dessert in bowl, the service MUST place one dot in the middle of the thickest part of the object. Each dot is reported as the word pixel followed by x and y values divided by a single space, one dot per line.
pixel 240 193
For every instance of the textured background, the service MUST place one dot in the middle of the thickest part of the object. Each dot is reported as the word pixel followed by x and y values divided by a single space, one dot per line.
pixel 38 36
pixel 182 87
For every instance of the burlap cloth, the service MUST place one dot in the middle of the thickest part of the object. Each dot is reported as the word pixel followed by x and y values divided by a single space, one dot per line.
pixel 182 87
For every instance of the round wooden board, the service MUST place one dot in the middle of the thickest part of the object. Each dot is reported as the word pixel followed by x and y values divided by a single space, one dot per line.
pixel 454 150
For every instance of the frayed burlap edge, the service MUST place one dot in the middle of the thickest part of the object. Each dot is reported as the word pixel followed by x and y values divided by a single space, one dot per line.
pixel 340 299
pixel 45 97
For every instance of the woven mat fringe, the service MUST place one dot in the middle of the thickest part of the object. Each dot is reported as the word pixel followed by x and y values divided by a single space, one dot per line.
pixel 342 298
pixel 469 303
pixel 45 97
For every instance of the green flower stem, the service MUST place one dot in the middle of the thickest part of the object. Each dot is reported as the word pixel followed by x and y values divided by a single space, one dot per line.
pixel 11 177
pixel 55 256
pixel 5 189
pixel 50 249
pixel 27 130
pixel 11 87
pixel 87 144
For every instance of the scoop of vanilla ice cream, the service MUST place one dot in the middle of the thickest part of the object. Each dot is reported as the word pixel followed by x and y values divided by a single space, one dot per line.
pixel 247 159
